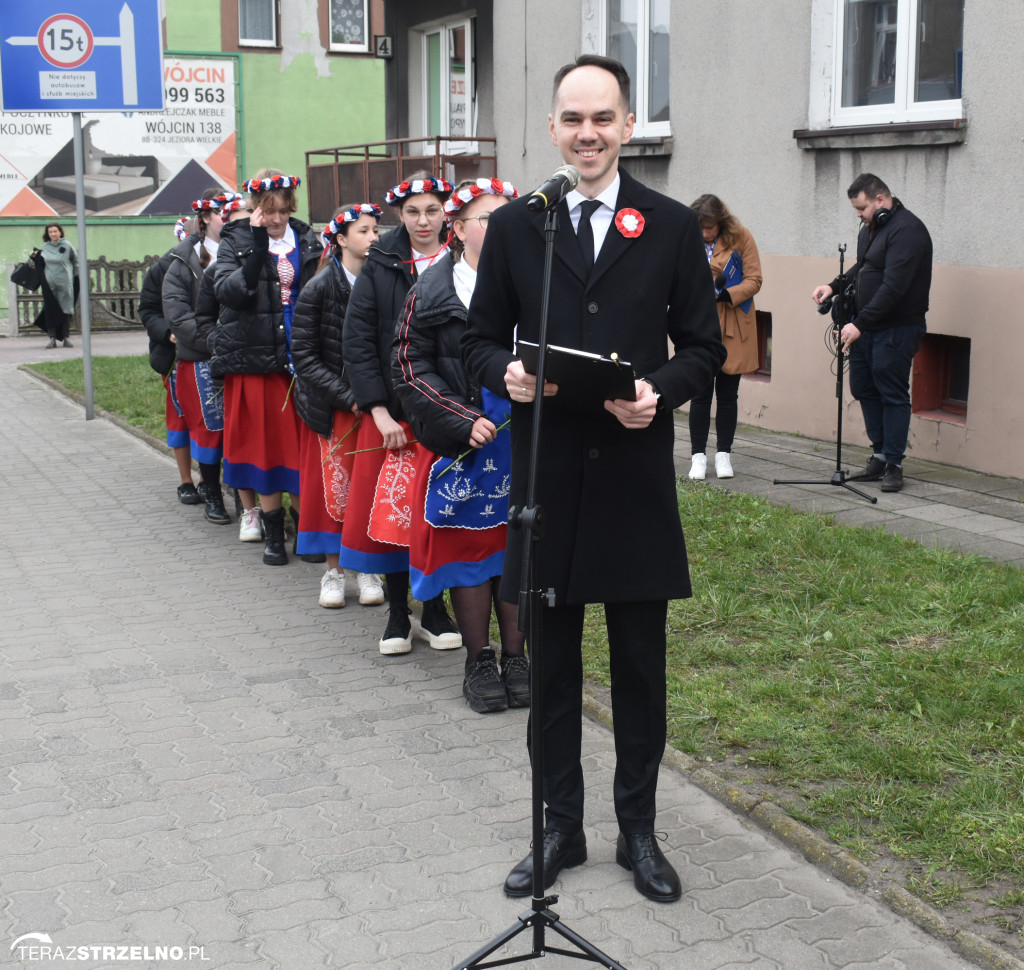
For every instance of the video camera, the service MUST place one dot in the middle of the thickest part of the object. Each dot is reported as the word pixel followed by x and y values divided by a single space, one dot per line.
pixel 842 303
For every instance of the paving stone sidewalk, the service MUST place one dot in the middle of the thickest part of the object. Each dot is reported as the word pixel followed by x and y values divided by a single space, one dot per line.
pixel 196 755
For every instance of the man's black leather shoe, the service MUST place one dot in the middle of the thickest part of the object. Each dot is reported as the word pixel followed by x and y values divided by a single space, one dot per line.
pixel 892 481
pixel 653 874
pixel 562 850
pixel 872 472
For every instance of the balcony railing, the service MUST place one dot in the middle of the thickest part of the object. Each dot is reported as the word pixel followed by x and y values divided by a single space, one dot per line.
pixel 364 173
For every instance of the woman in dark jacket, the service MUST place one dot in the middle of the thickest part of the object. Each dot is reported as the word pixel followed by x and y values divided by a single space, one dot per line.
pixel 162 354
pixel 460 501
pixel 57 263
pixel 201 403
pixel 261 267
pixel 324 399
pixel 378 512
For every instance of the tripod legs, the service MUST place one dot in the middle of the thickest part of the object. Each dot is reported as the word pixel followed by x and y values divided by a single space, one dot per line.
pixel 538 920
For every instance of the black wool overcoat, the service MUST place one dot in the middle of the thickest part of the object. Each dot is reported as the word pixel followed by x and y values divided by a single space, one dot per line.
pixel 613 532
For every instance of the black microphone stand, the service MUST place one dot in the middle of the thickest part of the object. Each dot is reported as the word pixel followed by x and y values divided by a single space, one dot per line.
pixel 839 477
pixel 530 519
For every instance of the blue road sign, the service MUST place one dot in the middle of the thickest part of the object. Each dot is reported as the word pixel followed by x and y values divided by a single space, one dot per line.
pixel 81 55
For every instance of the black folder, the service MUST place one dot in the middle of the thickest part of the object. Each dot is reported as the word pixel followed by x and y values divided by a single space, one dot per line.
pixel 585 381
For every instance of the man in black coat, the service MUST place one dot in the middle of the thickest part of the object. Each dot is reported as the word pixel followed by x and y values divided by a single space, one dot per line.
pixel 892 278
pixel 627 279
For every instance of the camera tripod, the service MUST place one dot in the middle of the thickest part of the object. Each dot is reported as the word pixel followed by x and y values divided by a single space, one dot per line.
pixel 837 303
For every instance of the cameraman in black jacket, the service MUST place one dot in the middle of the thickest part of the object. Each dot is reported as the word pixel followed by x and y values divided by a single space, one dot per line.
pixel 892 277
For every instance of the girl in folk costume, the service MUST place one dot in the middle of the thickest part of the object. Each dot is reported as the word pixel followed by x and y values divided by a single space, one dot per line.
pixel 201 403
pixel 376 535
pixel 261 266
pixel 324 399
pixel 162 356
pixel 731 251
pixel 460 500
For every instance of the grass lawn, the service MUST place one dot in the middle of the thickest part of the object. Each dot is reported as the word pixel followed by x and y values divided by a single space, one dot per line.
pixel 870 684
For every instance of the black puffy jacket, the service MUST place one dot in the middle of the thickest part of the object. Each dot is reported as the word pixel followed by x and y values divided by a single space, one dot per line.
pixel 893 272
pixel 441 401
pixel 207 307
pixel 180 294
pixel 373 311
pixel 321 386
pixel 250 335
pixel 151 311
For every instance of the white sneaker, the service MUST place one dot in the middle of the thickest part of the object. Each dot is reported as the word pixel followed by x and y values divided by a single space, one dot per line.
pixel 371 592
pixel 249 528
pixel 698 467
pixel 332 589
pixel 723 465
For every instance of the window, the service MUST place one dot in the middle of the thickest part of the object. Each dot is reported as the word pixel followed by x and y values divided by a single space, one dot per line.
pixel 764 347
pixel 897 61
pixel 449 86
pixel 349 26
pixel 942 372
pixel 257 23
pixel 636 33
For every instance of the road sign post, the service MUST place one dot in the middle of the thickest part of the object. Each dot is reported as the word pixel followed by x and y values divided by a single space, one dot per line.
pixel 81 55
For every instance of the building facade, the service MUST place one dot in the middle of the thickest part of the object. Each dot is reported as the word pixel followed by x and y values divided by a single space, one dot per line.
pixel 776 108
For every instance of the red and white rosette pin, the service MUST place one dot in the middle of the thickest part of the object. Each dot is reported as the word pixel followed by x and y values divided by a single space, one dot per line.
pixel 629 222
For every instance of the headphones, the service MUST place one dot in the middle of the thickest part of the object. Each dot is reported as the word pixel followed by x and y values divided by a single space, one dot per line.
pixel 882 216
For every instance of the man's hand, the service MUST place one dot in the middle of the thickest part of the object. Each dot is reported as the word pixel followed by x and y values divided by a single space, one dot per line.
pixel 847 336
pixel 821 293
pixel 522 387
pixel 638 413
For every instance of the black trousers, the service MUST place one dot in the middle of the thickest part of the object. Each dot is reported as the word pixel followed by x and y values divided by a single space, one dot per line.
pixel 636 639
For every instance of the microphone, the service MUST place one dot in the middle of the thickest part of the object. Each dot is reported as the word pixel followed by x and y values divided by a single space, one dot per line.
pixel 720 281
pixel 556 188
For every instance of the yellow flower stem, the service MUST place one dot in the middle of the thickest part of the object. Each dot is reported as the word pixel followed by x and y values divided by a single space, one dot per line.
pixel 355 425
pixel 288 393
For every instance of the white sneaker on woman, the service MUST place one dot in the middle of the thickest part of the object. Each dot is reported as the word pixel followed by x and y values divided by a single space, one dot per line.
pixel 371 592
pixel 332 589
pixel 249 528
pixel 698 467
pixel 723 465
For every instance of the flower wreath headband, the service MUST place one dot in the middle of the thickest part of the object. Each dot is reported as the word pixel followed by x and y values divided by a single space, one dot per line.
pixel 219 202
pixel 272 183
pixel 468 193
pixel 349 215
pixel 403 190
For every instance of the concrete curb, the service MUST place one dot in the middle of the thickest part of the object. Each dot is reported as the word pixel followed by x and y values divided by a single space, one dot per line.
pixel 815 848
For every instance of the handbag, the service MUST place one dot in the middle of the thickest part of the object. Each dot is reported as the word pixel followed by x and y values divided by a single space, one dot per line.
pixel 26 275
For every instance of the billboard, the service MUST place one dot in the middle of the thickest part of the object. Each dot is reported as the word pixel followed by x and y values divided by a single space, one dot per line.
pixel 136 163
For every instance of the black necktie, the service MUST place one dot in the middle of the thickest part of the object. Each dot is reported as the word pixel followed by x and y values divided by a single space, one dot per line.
pixel 585 231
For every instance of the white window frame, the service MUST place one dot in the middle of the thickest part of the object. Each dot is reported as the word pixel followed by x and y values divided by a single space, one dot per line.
pixel 444 29
pixel 259 42
pixel 595 41
pixel 362 48
pixel 903 109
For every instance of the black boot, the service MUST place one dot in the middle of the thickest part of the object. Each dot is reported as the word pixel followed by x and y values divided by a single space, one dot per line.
pixel 53 340
pixel 274 553
pixel 214 498
pixel 310 557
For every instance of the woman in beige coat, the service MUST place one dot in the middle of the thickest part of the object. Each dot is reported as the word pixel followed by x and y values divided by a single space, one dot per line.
pixel 732 253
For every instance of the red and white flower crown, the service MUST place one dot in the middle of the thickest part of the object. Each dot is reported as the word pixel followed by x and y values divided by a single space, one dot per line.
pixel 234 201
pixel 349 215
pixel 468 193
pixel 218 202
pixel 404 189
pixel 181 228
pixel 272 183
